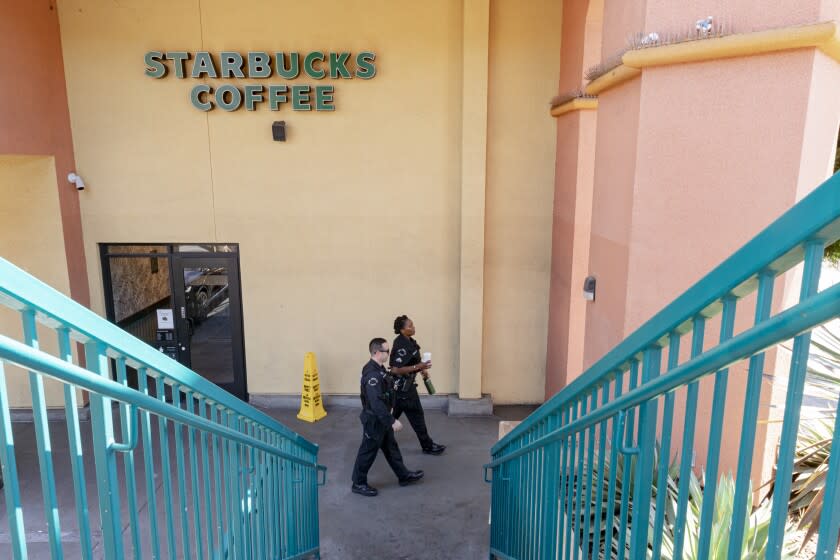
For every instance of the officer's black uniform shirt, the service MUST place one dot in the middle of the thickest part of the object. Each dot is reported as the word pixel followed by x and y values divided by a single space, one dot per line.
pixel 404 352
pixel 376 392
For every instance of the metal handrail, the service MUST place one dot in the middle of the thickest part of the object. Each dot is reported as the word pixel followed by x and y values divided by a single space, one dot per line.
pixel 252 489
pixel 28 358
pixel 555 487
pixel 785 325
pixel 54 309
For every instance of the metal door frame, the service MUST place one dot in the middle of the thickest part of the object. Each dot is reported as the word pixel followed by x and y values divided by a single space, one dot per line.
pixel 177 260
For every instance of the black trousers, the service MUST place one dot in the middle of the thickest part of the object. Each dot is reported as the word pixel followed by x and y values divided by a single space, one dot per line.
pixel 409 402
pixel 375 436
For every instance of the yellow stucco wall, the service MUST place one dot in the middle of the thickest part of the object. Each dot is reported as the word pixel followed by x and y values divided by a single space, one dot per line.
pixel 352 221
pixel 31 238
pixel 524 70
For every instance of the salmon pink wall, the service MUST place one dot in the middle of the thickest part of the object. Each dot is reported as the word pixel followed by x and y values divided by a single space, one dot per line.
pixel 34 113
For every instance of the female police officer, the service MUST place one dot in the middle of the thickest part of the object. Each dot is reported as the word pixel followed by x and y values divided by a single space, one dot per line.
pixel 405 364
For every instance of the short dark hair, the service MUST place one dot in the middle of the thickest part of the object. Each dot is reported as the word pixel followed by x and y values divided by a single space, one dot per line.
pixel 376 345
pixel 399 323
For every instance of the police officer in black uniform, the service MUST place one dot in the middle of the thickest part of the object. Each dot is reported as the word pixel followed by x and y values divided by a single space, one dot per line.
pixel 405 364
pixel 378 423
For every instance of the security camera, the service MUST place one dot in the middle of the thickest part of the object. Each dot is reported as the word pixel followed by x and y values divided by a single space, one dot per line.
pixel 77 181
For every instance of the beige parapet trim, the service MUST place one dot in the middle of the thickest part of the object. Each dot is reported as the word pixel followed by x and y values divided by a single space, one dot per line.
pixel 745 44
pixel 577 104
pixel 616 76
pixel 831 47
pixel 824 36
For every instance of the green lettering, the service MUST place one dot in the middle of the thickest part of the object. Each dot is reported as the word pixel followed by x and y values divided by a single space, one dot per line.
pixel 235 98
pixel 203 65
pixel 365 68
pixel 324 98
pixel 231 65
pixel 338 65
pixel 154 67
pixel 300 98
pixel 178 58
pixel 309 65
pixel 276 96
pixel 253 95
pixel 293 70
pixel 195 97
pixel 259 65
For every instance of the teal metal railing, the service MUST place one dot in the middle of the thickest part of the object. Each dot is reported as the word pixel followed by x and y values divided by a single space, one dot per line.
pixel 587 475
pixel 196 473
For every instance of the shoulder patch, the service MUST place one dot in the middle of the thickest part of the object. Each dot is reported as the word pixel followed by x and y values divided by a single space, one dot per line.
pixel 401 351
pixel 372 382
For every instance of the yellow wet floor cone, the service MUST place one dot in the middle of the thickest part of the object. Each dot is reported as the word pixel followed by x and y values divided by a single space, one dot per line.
pixel 311 405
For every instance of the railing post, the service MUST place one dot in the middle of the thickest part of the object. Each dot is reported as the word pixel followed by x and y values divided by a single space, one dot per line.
pixel 727 327
pixel 602 452
pixel 550 494
pixel 665 450
pixel 74 441
pixel 626 433
pixel 830 515
pixel 42 439
pixel 148 459
pixel 8 468
pixel 698 332
pixel 570 488
pixel 102 425
pixel 577 503
pixel 742 502
pixel 194 482
pixel 615 443
pixel 590 467
pixel 127 417
pixel 647 449
pixel 180 460
pixel 166 470
pixel 793 405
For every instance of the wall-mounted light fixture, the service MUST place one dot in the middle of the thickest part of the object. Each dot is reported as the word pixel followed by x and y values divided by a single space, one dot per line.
pixel 278 131
pixel 589 288
pixel 76 180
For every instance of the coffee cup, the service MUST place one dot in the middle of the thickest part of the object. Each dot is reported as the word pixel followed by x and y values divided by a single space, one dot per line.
pixel 427 356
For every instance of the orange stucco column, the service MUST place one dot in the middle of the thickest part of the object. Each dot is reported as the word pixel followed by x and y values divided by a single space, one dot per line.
pixel 35 116
pixel 580 48
pixel 693 160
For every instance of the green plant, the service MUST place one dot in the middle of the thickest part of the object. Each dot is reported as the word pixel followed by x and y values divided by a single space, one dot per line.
pixel 823 380
pixel 816 431
pixel 756 528
pixel 832 253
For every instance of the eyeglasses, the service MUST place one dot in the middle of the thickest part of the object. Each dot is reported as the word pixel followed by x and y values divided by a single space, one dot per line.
pixel 385 350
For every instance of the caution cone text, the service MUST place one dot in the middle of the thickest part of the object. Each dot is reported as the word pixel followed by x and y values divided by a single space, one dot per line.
pixel 311 406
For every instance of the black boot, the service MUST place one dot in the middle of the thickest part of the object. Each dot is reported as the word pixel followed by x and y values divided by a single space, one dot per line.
pixel 411 478
pixel 364 490
pixel 435 449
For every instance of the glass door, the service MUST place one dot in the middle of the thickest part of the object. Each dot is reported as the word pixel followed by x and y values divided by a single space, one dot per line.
pixel 208 318
pixel 184 300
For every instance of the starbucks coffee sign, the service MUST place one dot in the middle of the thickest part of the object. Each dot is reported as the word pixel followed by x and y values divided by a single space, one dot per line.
pixel 260 65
